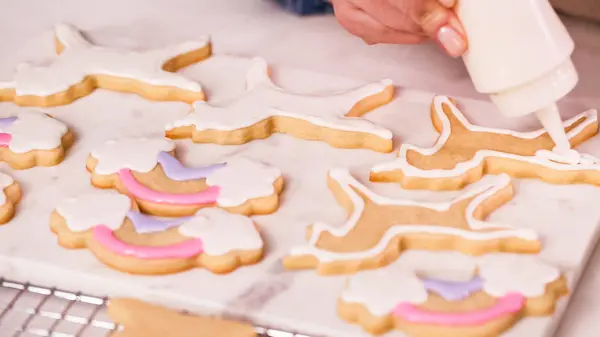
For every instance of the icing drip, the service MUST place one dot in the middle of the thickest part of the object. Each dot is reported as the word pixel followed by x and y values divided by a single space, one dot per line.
pixel 453 291
pixel 264 99
pixel 137 154
pixel 147 224
pixel 80 59
pixel 176 171
pixel 104 236
pixel 556 161
pixel 32 130
pixel 222 232
pixel 140 191
pixel 107 208
pixel 509 304
pixel 241 180
pixel 5 181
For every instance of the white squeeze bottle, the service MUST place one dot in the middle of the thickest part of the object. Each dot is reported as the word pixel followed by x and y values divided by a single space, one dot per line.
pixel 520 54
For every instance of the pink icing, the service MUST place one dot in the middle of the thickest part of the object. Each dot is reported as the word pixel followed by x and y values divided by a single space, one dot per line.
pixel 208 196
pixel 508 304
pixel 187 249
pixel 5 139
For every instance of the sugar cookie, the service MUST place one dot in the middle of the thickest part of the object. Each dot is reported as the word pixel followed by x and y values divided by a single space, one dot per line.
pixel 9 198
pixel 494 293
pixel 82 67
pixel 266 109
pixel 108 224
pixel 139 319
pixel 378 228
pixel 33 138
pixel 147 170
pixel 465 152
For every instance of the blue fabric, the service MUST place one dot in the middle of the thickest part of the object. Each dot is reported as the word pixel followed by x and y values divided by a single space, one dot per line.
pixel 306 7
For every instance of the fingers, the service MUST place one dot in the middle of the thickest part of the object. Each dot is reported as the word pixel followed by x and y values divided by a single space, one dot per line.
pixel 390 14
pixel 441 24
pixel 359 23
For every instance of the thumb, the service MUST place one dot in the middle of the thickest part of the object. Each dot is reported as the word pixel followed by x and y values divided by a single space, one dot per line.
pixel 440 23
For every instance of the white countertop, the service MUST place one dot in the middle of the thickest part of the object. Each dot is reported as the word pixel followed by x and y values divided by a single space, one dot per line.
pixel 245 27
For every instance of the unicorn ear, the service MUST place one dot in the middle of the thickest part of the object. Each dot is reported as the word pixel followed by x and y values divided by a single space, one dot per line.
pixel 70 37
pixel 258 74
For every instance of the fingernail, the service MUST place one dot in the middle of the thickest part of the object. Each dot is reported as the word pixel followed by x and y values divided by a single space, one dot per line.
pixel 452 41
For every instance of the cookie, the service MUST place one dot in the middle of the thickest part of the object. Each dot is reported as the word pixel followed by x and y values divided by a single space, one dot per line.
pixel 266 109
pixel 379 228
pixel 147 170
pixel 9 198
pixel 465 152
pixel 108 224
pixel 452 297
pixel 82 67
pixel 139 319
pixel 33 138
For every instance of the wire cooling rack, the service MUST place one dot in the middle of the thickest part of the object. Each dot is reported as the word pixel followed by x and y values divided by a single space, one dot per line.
pixel 28 310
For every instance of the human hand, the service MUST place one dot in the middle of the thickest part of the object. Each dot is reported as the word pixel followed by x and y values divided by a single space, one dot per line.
pixel 403 22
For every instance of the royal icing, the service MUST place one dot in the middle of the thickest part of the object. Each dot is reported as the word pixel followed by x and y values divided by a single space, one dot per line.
pixel 80 59
pixel 241 180
pixel 31 130
pixel 186 249
pixel 381 290
pixel 5 181
pixel 509 304
pixel 453 291
pixel 148 224
pixel 84 212
pixel 531 279
pixel 398 289
pixel 137 154
pixel 569 161
pixel 222 232
pixel 480 192
pixel 207 196
pixel 264 100
pixel 176 171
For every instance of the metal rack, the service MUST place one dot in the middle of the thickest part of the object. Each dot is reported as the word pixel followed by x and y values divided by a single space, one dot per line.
pixel 28 310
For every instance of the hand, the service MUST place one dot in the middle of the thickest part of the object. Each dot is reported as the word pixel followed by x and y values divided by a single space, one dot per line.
pixel 403 22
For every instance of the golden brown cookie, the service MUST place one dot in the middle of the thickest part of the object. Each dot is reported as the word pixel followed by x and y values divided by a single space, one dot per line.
pixel 33 138
pixel 108 224
pixel 82 67
pixel 455 298
pixel 465 152
pixel 146 170
pixel 9 198
pixel 266 109
pixel 140 319
pixel 379 228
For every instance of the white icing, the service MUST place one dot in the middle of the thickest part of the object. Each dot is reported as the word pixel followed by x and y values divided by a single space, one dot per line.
pixel 264 99
pixel 136 154
pixel 480 190
pixel 102 207
pixel 447 266
pixel 222 232
pixel 381 290
pixel 34 130
pixel 555 161
pixel 5 181
pixel 523 274
pixel 81 58
pixel 241 180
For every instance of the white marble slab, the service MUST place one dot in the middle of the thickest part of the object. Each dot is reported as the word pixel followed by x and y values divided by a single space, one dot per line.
pixel 566 216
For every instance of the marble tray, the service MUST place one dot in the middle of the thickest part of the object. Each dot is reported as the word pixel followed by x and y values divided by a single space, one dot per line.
pixel 567 217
